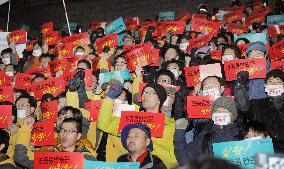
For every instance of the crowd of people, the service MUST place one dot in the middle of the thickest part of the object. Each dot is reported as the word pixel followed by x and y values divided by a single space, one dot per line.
pixel 252 112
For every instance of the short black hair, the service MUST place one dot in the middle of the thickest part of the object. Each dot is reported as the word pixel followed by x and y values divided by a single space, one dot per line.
pixel 220 80
pixel 167 73
pixel 37 42
pixel 255 126
pixel 4 139
pixel 31 100
pixel 88 63
pixel 47 97
pixel 235 48
pixel 21 91
pixel 77 123
pixel 7 50
pixel 77 114
pixel 275 73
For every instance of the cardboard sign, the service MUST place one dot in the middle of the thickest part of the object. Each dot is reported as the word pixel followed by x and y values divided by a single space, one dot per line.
pixel 216 54
pixel 210 70
pixel 277 51
pixel 49 111
pixel 118 108
pixel 275 20
pixel 81 39
pixel 52 86
pixel 59 65
pixel 110 165
pixel 132 23
pixel 51 38
pixel 277 65
pixel 155 121
pixel 94 107
pixel 48 160
pixel 5 115
pixel 198 42
pixel 110 40
pixel 175 27
pixel 237 29
pixel 258 18
pixel 192 75
pixel 65 50
pixel 116 26
pixel 253 37
pixel 6 94
pixel 137 57
pixel 255 67
pixel 22 80
pixel 169 15
pixel 121 75
pixel 97 25
pixel 233 16
pixel 43 134
pixel 47 28
pixel 199 106
pixel 205 26
pixel 242 153
pixel 29 47
pixel 185 16
pixel 18 36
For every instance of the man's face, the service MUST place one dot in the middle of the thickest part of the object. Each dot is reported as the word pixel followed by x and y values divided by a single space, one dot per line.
pixel 256 54
pixel 212 83
pixel 164 80
pixel 137 141
pixel 171 54
pixel 150 98
pixel 69 135
pixel 44 62
pixel 23 104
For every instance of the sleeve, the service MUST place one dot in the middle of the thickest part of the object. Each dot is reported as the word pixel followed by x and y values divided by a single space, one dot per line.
pixel 180 146
pixel 106 121
pixel 178 109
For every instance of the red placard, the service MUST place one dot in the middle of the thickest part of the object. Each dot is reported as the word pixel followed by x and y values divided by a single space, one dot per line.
pixel 59 65
pixel 132 23
pixel 233 16
pixel 95 63
pixel 88 77
pixel 6 93
pixel 18 36
pixel 176 27
pixel 154 58
pixel 277 51
pixel 199 106
pixel 46 28
pixel 4 79
pixel 258 18
pixel 49 111
pixel 255 67
pixel 110 40
pixel 29 47
pixel 81 39
pixel 5 115
pixel 216 54
pixel 155 121
pixel 274 30
pixel 23 80
pixel 198 42
pixel 192 75
pixel 66 76
pixel 65 50
pixel 94 107
pixel 96 25
pixel 277 65
pixel 52 160
pixel 237 29
pixel 199 16
pixel 205 26
pixel 44 71
pixel 52 86
pixel 51 38
pixel 43 134
pixel 185 16
pixel 137 56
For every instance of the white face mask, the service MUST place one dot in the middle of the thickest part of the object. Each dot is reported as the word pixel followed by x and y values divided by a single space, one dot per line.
pixel 211 92
pixel 36 52
pixel 175 72
pixel 79 53
pixel 254 138
pixel 118 101
pixel 274 90
pixel 21 114
pixel 6 61
pixel 227 58
pixel 10 73
pixel 221 119
pixel 183 46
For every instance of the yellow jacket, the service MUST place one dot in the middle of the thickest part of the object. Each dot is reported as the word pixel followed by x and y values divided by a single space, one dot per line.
pixel 163 147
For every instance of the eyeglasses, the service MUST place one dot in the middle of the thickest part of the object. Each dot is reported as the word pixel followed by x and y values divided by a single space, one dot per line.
pixel 68 131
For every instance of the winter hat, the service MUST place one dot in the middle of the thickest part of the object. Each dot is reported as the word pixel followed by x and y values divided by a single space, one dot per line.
pixel 275 73
pixel 126 129
pixel 256 46
pixel 225 103
pixel 160 91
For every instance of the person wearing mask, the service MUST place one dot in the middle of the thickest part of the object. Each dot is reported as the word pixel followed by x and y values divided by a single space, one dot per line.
pixel 8 57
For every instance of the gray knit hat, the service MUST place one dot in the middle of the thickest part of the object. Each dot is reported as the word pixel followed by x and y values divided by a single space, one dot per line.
pixel 226 103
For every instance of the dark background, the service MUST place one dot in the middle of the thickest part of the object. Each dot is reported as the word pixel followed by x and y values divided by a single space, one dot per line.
pixel 36 12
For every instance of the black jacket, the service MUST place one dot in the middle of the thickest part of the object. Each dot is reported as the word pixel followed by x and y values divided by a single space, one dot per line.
pixel 150 162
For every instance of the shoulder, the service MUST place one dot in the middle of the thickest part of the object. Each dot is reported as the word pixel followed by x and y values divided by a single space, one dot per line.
pixel 122 158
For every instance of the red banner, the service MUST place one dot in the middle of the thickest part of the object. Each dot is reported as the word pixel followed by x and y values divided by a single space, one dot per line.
pixel 237 29
pixel 199 16
pixel 277 65
pixel 81 39
pixel 255 67
pixel 155 121
pixel 46 28
pixel 176 27
pixel 132 23
pixel 258 18
pixel 5 80
pixel 110 40
pixel 233 16
pixel 65 50
pixel 205 26
pixel 198 42
pixel 43 134
pixel 192 75
pixel 277 51
pixel 185 16
pixel 216 54
pixel 94 107
pixel 51 38
pixel 6 94
pixel 5 115
pixel 199 107
pixel 59 160
pixel 23 80
pixel 18 36
pixel 44 71
pixel 29 47
pixel 59 65
pixel 49 111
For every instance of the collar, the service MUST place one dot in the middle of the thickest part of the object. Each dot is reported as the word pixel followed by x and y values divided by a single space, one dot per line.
pixel 140 159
